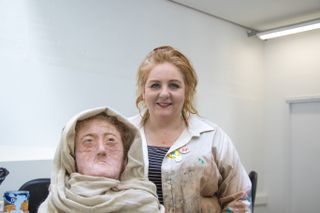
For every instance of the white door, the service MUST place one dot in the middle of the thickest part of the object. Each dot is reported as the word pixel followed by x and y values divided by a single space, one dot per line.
pixel 305 158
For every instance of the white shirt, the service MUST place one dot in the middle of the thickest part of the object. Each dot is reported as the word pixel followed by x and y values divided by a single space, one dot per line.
pixel 202 171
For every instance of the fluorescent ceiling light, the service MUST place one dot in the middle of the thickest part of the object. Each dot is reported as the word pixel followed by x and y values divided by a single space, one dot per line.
pixel 282 31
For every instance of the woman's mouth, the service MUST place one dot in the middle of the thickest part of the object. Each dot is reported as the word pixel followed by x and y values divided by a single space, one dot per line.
pixel 164 104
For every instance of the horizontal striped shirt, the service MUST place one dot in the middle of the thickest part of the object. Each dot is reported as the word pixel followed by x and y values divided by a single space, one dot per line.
pixel 156 155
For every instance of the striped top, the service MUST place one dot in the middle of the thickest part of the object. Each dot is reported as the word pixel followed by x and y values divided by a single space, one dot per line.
pixel 156 155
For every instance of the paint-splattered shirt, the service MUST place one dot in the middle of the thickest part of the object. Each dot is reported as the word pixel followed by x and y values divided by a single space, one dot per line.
pixel 202 171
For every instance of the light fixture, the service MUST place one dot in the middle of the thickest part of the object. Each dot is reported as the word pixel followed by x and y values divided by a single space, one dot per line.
pixel 287 30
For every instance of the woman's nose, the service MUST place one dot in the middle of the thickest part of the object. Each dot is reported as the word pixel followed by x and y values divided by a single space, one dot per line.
pixel 164 92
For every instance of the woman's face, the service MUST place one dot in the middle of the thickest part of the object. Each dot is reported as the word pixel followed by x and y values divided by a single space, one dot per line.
pixel 99 149
pixel 164 91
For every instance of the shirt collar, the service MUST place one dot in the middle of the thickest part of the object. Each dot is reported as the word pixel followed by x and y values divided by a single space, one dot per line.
pixel 198 125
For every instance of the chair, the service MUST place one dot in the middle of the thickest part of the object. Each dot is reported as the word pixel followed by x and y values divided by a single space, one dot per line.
pixel 253 175
pixel 3 174
pixel 38 191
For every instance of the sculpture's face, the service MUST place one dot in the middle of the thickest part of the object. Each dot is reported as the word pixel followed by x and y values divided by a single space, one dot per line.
pixel 99 149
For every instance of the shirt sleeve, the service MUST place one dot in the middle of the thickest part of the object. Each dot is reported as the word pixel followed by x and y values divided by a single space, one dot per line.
pixel 235 186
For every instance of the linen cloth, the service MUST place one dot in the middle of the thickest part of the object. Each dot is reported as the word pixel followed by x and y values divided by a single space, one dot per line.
pixel 71 192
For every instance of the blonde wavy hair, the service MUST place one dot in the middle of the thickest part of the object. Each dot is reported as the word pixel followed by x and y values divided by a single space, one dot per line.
pixel 171 55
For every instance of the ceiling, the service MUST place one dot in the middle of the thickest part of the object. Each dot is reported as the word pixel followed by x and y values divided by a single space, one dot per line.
pixel 257 15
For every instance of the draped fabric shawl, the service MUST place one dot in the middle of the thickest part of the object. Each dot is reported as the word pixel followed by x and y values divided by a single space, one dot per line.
pixel 71 192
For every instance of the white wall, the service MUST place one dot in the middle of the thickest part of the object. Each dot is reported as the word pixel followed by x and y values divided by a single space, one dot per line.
pixel 60 57
pixel 292 70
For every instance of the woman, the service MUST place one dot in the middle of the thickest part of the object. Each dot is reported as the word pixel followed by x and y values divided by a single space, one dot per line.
pixel 98 167
pixel 191 160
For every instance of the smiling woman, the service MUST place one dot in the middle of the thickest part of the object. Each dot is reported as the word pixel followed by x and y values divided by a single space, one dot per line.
pixel 191 160
pixel 164 92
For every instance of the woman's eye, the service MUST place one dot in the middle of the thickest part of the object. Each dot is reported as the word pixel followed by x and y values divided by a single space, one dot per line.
pixel 174 86
pixel 155 86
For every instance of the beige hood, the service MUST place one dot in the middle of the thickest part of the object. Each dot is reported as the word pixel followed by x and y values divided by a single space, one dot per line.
pixel 73 192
